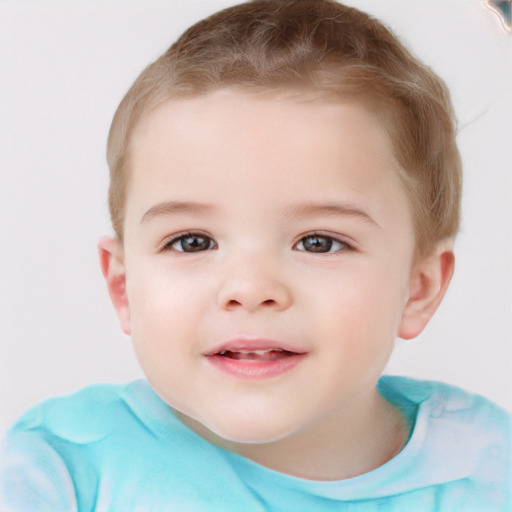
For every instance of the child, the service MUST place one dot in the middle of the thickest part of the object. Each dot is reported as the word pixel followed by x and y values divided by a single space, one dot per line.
pixel 285 191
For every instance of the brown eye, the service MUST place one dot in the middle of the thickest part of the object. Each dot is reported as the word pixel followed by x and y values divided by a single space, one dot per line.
pixel 320 244
pixel 191 243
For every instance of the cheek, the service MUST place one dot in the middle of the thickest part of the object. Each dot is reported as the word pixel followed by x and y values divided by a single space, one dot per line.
pixel 159 288
pixel 360 326
pixel 161 305
pixel 164 312
pixel 363 305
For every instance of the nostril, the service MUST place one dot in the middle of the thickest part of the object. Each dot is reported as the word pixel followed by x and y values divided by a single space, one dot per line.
pixel 250 296
pixel 233 304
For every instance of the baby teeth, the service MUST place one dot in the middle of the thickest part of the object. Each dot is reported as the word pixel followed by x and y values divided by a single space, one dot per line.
pixel 257 352
pixel 260 352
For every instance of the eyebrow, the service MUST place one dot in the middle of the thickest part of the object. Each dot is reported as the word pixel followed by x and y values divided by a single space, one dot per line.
pixel 176 207
pixel 330 210
pixel 301 210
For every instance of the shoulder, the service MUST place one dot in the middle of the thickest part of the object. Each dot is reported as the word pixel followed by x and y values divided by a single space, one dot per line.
pixel 62 430
pixel 460 439
pixel 439 393
pixel 34 475
pixel 54 448
pixel 447 407
pixel 81 417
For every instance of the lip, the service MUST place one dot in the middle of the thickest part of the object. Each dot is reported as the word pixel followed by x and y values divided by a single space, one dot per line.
pixel 255 368
pixel 253 343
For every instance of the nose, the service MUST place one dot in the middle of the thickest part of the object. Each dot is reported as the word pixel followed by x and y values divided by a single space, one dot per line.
pixel 253 284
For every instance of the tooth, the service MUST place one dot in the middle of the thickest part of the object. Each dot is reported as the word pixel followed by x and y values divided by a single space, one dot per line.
pixel 260 352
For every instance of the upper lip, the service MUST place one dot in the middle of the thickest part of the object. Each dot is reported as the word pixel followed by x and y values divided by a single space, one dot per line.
pixel 251 344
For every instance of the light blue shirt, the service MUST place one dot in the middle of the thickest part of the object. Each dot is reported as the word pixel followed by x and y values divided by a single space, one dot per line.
pixel 121 449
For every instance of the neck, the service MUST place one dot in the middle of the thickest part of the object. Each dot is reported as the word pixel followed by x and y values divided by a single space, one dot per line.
pixel 343 446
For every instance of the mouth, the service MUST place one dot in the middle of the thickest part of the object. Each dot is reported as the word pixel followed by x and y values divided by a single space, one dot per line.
pixel 255 359
pixel 269 354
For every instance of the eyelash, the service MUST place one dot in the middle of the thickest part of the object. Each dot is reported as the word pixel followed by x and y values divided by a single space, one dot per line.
pixel 344 246
pixel 168 245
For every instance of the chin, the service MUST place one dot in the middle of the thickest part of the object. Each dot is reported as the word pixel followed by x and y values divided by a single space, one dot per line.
pixel 234 429
pixel 243 422
pixel 244 430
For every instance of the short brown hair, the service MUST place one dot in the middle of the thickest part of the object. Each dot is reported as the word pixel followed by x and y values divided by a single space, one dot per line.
pixel 318 45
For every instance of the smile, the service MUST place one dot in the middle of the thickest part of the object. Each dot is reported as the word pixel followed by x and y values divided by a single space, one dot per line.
pixel 255 359
pixel 270 354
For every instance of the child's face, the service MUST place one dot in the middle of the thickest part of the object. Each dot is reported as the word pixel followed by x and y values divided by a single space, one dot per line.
pixel 255 224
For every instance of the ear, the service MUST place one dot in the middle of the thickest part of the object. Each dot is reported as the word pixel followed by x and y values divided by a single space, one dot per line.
pixel 111 255
pixel 428 283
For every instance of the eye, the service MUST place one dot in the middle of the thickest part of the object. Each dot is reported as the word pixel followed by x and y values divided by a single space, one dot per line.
pixel 320 244
pixel 190 242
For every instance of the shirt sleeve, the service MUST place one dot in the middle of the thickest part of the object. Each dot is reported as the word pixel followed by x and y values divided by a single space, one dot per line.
pixel 33 477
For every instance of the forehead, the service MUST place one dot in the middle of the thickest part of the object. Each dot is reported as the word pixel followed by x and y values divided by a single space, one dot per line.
pixel 225 117
pixel 260 147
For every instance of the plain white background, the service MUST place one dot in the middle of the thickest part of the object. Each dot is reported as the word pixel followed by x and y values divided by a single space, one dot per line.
pixel 65 67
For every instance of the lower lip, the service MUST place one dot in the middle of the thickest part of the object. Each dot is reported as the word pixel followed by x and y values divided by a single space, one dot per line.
pixel 255 370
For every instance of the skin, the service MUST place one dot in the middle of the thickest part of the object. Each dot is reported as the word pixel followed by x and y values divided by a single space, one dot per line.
pixel 253 166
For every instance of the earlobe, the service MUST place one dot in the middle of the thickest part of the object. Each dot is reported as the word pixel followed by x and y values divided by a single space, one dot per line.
pixel 428 283
pixel 111 256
